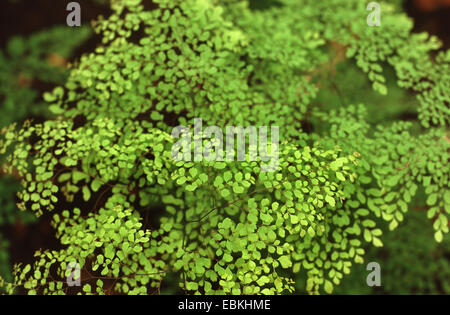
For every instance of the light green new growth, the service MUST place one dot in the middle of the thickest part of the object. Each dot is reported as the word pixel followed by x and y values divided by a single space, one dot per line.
pixel 227 227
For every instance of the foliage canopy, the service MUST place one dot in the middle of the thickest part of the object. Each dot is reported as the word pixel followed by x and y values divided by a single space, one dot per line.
pixel 133 216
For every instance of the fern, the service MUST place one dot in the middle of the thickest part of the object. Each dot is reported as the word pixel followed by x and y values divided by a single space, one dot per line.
pixel 104 163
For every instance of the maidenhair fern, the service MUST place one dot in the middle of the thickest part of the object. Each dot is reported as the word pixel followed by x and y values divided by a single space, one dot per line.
pixel 28 63
pixel 130 215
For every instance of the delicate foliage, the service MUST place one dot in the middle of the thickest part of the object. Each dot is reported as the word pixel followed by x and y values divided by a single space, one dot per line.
pixel 28 63
pixel 227 227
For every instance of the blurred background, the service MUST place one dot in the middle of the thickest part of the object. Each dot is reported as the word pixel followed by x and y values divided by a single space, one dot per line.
pixel 36 49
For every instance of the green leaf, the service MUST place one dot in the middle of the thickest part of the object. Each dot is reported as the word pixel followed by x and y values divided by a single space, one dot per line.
pixel 328 287
pixel 340 176
pixel 86 193
pixel 285 261
pixel 367 235
pixel 224 193
pixel 110 251
pixel 95 185
pixel 87 288
pixel 438 236
pixel 311 231
pixel 377 242
pixel 330 200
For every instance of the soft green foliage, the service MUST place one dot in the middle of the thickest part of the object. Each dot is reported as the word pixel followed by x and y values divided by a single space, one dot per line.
pixel 410 263
pixel 227 227
pixel 117 233
pixel 4 261
pixel 30 63
pixel 27 65
pixel 9 214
